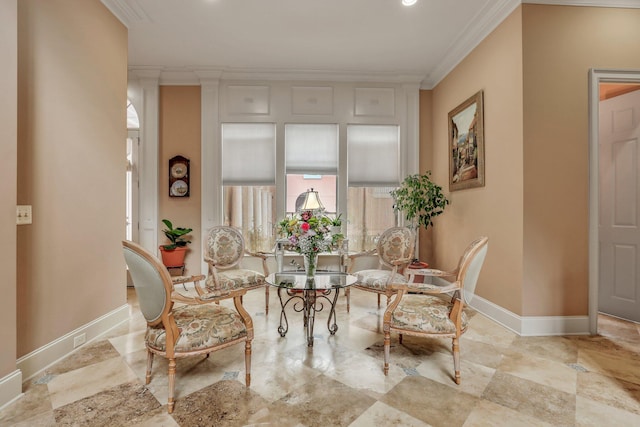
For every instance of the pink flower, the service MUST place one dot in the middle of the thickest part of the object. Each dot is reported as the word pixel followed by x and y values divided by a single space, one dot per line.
pixel 305 216
pixel 305 226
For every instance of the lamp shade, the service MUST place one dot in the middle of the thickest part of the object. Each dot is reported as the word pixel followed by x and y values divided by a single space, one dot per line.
pixel 311 202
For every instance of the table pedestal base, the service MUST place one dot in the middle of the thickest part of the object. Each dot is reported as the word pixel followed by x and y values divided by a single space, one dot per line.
pixel 308 301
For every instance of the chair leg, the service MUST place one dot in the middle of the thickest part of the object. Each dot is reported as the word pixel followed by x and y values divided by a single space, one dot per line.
pixel 149 364
pixel 387 345
pixel 348 294
pixel 456 359
pixel 266 300
pixel 378 300
pixel 172 382
pixel 247 362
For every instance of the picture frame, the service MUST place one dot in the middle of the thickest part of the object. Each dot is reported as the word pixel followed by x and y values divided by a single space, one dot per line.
pixel 466 144
pixel 179 176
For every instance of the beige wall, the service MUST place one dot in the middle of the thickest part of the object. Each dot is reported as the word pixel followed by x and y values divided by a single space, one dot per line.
pixel 561 44
pixel 426 164
pixel 495 210
pixel 8 157
pixel 180 135
pixel 71 166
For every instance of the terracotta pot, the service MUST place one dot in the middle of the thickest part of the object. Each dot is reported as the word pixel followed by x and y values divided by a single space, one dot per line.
pixel 174 257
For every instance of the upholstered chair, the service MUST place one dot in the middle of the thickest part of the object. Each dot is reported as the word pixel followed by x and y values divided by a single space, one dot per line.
pixel 191 328
pixel 436 309
pixel 395 251
pixel 224 250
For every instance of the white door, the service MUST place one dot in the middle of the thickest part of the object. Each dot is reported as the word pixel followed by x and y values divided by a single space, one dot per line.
pixel 619 228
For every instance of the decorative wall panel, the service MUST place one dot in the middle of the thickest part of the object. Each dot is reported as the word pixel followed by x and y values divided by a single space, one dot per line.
pixel 248 99
pixel 312 100
pixel 375 102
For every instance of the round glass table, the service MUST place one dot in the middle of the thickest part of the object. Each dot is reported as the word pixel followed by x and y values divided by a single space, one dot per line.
pixel 308 295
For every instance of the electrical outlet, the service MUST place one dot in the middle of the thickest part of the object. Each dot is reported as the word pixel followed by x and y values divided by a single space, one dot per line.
pixel 79 340
pixel 23 214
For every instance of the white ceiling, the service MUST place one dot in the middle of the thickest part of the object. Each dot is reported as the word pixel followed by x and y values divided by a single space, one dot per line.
pixel 365 39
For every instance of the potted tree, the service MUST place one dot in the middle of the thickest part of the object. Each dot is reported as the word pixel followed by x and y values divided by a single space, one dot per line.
pixel 420 200
pixel 173 254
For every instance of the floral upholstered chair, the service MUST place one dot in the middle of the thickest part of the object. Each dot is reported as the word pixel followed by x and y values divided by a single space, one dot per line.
pixel 195 327
pixel 437 309
pixel 223 251
pixel 395 251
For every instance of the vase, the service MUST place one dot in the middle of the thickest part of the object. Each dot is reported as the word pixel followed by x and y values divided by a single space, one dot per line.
pixel 310 263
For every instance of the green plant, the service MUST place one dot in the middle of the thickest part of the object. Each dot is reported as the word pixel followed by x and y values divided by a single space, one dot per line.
pixel 337 221
pixel 175 235
pixel 419 199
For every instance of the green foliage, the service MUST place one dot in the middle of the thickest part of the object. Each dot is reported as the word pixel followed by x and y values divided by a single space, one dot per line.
pixel 175 235
pixel 419 199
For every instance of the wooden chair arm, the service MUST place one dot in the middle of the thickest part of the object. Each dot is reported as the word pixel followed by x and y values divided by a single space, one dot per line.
pixel 259 254
pixel 207 297
pixel 426 288
pixel 432 272
pixel 401 261
pixel 263 256
pixel 187 279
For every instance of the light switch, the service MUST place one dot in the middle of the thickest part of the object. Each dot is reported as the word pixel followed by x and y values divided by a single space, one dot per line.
pixel 23 214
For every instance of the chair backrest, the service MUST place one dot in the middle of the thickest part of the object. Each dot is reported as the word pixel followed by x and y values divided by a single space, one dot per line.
pixel 150 279
pixel 395 243
pixel 224 245
pixel 470 265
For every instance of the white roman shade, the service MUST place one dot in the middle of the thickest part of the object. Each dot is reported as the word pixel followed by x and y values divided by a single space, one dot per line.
pixel 248 154
pixel 373 153
pixel 311 149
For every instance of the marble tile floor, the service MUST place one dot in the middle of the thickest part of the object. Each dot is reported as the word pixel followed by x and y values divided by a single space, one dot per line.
pixel 507 380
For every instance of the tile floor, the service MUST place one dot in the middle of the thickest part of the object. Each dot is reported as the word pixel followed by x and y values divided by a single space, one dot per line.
pixel 506 380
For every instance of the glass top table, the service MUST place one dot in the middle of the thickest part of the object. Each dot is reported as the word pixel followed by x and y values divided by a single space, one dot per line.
pixel 308 295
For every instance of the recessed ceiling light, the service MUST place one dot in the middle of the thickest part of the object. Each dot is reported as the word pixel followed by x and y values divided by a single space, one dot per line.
pixel 409 2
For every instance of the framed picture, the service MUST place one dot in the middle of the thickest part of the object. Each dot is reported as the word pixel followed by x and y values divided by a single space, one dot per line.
pixel 178 177
pixel 466 144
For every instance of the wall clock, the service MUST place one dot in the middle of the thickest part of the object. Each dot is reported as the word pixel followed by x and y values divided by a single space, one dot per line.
pixel 178 177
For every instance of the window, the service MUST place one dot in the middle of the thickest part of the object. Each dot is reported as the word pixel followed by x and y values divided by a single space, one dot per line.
pixel 374 170
pixel 248 179
pixel 311 161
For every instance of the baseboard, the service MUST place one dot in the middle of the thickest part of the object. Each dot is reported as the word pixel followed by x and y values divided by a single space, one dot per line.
pixel 10 388
pixel 35 362
pixel 532 325
pixel 554 325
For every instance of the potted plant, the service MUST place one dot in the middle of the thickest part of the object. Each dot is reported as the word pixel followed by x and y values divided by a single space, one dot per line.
pixel 419 199
pixel 173 254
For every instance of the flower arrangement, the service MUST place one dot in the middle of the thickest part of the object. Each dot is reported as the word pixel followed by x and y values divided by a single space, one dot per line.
pixel 309 233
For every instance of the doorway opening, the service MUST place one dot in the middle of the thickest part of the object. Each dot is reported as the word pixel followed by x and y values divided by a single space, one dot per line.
pixel 612 193
pixel 131 203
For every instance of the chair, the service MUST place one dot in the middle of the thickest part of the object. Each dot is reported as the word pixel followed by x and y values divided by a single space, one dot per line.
pixel 193 328
pixel 223 251
pixel 440 314
pixel 395 251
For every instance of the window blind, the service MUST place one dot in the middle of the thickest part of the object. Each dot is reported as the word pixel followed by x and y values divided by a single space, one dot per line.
pixel 311 149
pixel 248 154
pixel 373 153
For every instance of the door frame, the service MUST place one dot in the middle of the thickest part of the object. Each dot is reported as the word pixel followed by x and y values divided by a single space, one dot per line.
pixel 597 76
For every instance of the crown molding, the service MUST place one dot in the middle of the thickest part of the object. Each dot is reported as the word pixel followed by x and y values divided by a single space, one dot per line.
pixel 629 4
pixel 196 75
pixel 127 11
pixel 485 21
pixel 489 18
